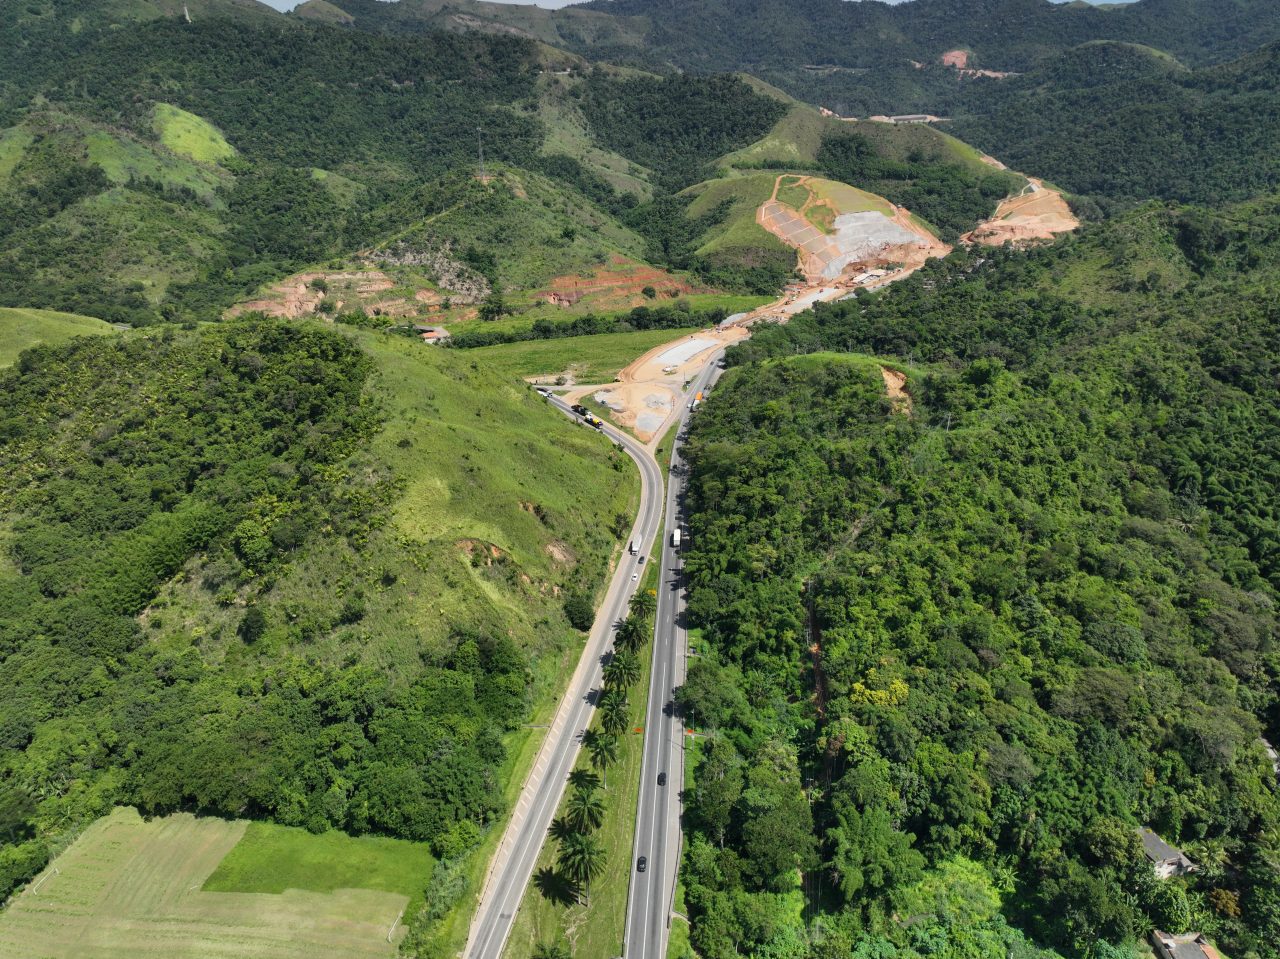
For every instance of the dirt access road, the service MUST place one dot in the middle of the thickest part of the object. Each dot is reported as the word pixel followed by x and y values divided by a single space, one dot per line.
pixel 645 397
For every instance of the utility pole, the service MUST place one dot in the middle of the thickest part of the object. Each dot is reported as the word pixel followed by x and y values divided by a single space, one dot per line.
pixel 186 13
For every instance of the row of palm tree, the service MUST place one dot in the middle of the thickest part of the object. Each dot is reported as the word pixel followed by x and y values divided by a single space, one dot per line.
pixel 581 855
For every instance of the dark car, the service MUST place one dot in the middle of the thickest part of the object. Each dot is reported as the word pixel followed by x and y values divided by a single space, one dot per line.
pixel 641 864
pixel 662 779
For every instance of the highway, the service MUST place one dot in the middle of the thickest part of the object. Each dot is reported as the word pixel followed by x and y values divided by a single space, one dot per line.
pixel 513 864
pixel 657 834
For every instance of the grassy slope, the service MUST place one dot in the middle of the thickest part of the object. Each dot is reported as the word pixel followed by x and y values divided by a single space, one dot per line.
pixel 477 454
pixel 739 229
pixel 590 359
pixel 23 329
pixel 481 458
pixel 522 217
pixel 567 133
pixel 189 135
pixel 271 859
pixel 119 236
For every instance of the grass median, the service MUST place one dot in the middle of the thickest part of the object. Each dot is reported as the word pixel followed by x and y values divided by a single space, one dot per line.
pixel 595 931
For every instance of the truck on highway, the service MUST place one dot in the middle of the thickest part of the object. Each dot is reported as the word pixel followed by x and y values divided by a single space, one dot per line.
pixel 675 537
pixel 579 409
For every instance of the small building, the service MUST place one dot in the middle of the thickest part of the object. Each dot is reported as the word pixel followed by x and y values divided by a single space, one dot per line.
pixel 908 118
pixel 1165 859
pixel 1192 945
pixel 431 334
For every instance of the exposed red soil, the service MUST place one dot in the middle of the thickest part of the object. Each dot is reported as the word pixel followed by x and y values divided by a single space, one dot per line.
pixel 621 280
pixel 1041 213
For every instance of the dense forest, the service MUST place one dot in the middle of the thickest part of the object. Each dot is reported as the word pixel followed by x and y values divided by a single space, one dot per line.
pixel 125 458
pixel 959 655
pixel 857 58
pixel 1125 123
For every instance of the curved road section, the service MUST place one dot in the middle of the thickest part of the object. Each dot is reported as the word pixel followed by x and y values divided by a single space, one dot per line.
pixel 513 864
pixel 651 895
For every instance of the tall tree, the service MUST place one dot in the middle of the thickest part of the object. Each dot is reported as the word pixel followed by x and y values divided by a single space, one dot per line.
pixel 585 810
pixel 644 604
pixel 602 746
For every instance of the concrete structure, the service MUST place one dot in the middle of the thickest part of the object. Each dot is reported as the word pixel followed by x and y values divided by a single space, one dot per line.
pixel 1192 945
pixel 431 334
pixel 1165 859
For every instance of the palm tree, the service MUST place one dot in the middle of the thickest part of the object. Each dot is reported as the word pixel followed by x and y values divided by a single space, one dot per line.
pixel 613 712
pixel 603 748
pixel 583 778
pixel 582 859
pixel 644 604
pixel 622 671
pixel 560 828
pixel 631 634
pixel 585 810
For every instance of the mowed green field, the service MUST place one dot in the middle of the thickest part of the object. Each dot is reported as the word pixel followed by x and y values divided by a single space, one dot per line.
pixel 587 359
pixel 132 888
pixel 22 329
pixel 274 859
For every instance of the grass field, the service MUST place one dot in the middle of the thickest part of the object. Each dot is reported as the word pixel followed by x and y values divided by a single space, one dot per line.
pixel 13 144
pixel 22 329
pixel 794 140
pixel 739 229
pixel 131 888
pixel 588 359
pixel 595 931
pixel 191 136
pixel 792 192
pixel 849 199
pixel 273 859
pixel 124 160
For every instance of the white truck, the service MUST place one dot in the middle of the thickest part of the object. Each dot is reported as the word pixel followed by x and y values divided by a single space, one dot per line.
pixel 675 537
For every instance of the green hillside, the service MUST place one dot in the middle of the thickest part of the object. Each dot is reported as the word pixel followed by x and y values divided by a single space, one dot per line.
pixel 533 227
pixel 1126 123
pixel 22 329
pixel 956 655
pixel 364 580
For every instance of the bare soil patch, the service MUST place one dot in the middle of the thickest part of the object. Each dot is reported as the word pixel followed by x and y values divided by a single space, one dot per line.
pixel 1038 213
pixel 895 385
pixel 644 397
pixel 618 285
pixel 368 290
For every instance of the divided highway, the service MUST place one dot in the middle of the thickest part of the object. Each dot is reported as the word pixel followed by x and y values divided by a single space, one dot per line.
pixel 657 836
pixel 513 864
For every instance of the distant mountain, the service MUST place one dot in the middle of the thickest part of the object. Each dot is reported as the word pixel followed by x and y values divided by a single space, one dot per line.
pixel 1130 123
pixel 856 58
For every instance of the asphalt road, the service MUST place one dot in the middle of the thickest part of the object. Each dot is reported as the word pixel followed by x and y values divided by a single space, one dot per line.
pixel 513 864
pixel 657 836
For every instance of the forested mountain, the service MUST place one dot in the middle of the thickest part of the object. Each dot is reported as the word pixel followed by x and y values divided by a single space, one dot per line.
pixel 959 653
pixel 854 57
pixel 1126 123
pixel 189 163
